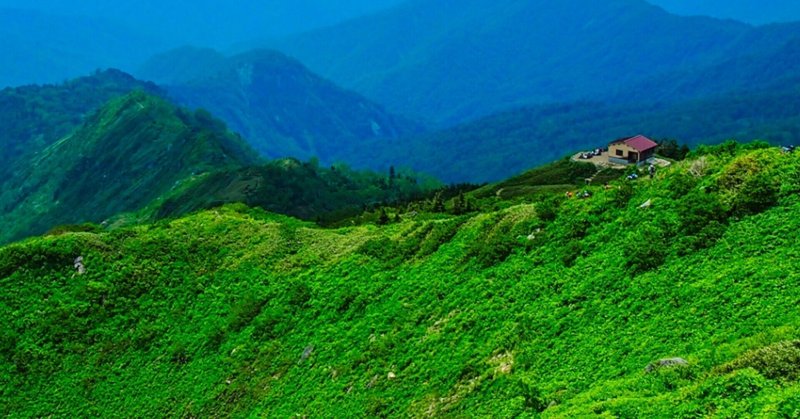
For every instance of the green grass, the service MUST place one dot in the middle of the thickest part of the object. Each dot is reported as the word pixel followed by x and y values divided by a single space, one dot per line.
pixel 548 308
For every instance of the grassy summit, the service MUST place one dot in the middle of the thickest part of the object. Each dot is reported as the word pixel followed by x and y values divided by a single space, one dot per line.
pixel 131 151
pixel 543 306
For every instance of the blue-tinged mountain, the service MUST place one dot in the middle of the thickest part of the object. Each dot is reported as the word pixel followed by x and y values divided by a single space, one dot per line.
pixel 504 144
pixel 751 11
pixel 454 61
pixel 131 151
pixel 275 103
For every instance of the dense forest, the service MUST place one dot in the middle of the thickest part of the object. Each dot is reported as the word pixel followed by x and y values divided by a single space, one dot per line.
pixel 505 144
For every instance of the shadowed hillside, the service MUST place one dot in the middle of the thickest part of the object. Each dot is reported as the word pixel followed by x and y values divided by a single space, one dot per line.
pixel 275 103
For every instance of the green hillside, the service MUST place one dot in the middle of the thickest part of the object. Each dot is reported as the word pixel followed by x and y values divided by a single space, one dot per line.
pixel 33 117
pixel 541 306
pixel 133 150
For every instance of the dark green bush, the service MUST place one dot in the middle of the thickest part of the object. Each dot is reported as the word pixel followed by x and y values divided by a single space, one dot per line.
pixel 383 249
pixel 778 361
pixel 646 249
pixel 74 228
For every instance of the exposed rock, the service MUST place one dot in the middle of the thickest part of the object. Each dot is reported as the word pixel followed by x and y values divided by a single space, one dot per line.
pixel 307 353
pixel 372 382
pixel 667 362
pixel 79 266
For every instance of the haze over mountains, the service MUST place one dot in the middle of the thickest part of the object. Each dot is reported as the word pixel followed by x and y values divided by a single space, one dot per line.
pixel 753 12
pixel 274 102
pixel 490 56
pixel 49 41
pixel 124 33
pixel 289 219
pixel 41 47
pixel 613 67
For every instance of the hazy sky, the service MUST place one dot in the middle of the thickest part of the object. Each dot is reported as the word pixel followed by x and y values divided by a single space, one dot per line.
pixel 211 22
pixel 221 24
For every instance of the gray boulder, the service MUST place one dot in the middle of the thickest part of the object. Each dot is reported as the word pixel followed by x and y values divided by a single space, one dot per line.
pixel 666 363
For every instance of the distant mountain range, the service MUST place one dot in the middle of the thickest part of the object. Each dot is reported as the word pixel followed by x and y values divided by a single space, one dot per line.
pixel 505 144
pixel 109 148
pixel 750 11
pixel 275 103
pixel 452 62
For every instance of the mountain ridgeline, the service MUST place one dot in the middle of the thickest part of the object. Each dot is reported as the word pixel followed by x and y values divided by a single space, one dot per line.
pixel 280 107
pixel 451 62
pixel 110 149
pixel 131 151
pixel 501 145
pixel 33 117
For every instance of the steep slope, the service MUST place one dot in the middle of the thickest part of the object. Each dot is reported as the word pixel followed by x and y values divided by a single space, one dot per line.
pixel 552 307
pixel 502 145
pixel 128 153
pixel 33 117
pixel 280 107
pixel 456 61
pixel 40 47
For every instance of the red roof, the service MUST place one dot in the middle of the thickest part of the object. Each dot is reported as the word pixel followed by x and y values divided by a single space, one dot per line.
pixel 639 143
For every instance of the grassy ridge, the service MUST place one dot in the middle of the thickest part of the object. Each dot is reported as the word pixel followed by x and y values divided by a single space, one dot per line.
pixel 128 153
pixel 550 308
pixel 34 117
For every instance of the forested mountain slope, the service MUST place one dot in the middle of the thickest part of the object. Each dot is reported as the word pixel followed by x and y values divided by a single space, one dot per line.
pixel 300 189
pixel 504 144
pixel 455 61
pixel 545 306
pixel 275 103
